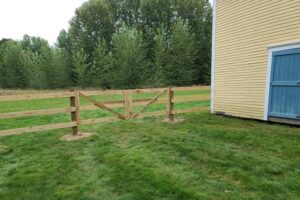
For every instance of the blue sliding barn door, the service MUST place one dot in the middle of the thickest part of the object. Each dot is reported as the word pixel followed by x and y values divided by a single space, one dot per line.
pixel 284 98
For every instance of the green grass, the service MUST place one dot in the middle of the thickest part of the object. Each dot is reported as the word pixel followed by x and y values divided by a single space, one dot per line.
pixel 204 157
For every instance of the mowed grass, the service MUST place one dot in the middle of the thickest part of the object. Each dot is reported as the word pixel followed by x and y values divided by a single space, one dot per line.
pixel 204 157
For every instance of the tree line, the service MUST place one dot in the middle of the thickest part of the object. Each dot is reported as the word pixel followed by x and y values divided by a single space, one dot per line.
pixel 117 44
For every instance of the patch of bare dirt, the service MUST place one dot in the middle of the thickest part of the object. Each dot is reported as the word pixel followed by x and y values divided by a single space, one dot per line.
pixel 70 138
pixel 175 121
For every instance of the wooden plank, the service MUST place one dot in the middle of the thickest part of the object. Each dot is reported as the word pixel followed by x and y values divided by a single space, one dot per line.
pixel 190 110
pixel 190 98
pixel 100 105
pixel 137 102
pixel 99 120
pixel 37 128
pixel 151 114
pixel 36 112
pixel 103 92
pixel 192 88
pixel 149 103
pixel 154 90
pixel 147 90
pixel 112 102
pixel 93 107
pixel 35 96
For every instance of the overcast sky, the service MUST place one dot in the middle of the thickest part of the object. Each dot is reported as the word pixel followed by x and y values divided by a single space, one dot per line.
pixel 44 18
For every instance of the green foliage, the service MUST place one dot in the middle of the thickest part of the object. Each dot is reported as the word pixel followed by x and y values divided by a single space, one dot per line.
pixel 15 66
pixel 180 68
pixel 92 22
pixel 162 58
pixel 102 70
pixel 169 43
pixel 60 70
pixel 129 59
pixel 64 44
pixel 100 20
pixel 80 67
pixel 32 63
pixel 40 57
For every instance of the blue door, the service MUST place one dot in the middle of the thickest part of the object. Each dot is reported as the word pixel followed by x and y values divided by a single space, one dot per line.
pixel 285 84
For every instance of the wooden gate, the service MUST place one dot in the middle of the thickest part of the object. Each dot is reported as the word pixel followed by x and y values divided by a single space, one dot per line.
pixel 128 104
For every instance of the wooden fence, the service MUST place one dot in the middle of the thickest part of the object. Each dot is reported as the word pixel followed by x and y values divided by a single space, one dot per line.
pixel 164 96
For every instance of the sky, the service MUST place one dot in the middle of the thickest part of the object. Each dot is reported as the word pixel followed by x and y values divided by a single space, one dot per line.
pixel 43 18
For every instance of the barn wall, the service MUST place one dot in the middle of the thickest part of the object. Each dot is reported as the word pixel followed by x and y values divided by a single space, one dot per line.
pixel 244 30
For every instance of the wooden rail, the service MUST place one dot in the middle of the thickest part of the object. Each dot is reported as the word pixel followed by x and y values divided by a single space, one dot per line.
pixel 165 96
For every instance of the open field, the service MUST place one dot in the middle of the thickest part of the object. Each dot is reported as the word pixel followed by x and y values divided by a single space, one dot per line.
pixel 205 157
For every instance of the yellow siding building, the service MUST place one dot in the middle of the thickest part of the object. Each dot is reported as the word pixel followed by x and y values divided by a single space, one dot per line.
pixel 254 42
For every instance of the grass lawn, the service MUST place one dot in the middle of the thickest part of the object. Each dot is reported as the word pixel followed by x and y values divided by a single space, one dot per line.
pixel 204 157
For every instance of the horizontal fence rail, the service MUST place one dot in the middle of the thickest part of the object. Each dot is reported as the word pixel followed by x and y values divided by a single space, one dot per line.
pixel 161 96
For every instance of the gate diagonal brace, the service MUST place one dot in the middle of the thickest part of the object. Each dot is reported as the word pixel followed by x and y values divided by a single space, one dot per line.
pixel 104 107
pixel 149 103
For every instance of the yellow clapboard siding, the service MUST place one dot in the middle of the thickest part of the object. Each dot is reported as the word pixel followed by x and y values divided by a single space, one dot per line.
pixel 277 36
pixel 252 47
pixel 244 31
pixel 251 9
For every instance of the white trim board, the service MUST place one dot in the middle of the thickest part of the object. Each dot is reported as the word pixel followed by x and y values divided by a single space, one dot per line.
pixel 273 49
pixel 213 51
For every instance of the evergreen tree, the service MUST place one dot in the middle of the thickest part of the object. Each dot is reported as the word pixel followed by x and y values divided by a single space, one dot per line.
pixel 102 70
pixel 2 69
pixel 199 15
pixel 37 77
pixel 129 59
pixel 60 70
pixel 64 44
pixel 161 59
pixel 16 66
pixel 40 57
pixel 181 68
pixel 80 68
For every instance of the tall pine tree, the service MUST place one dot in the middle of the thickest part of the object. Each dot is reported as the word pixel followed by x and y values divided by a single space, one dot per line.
pixel 181 66
pixel 129 59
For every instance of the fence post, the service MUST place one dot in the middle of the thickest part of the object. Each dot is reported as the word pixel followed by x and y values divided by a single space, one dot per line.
pixel 128 103
pixel 75 115
pixel 170 104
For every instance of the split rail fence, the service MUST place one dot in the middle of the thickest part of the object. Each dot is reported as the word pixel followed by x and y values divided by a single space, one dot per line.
pixel 163 96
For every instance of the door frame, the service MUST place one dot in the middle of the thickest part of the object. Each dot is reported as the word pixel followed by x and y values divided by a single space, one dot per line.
pixel 272 49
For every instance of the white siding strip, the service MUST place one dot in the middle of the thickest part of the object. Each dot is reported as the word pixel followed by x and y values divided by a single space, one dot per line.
pixel 213 49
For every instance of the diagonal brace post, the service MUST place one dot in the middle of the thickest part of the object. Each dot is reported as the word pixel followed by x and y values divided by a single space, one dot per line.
pixel 100 105
pixel 149 103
